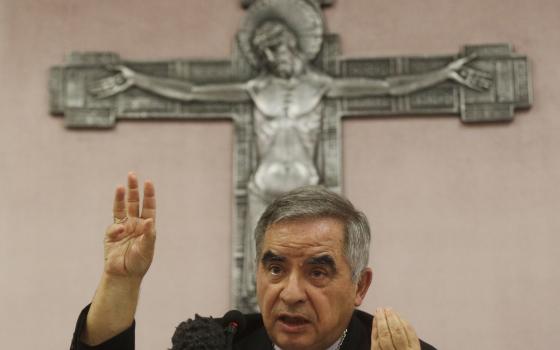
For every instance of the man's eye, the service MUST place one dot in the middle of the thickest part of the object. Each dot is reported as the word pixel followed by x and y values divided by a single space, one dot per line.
pixel 318 274
pixel 275 270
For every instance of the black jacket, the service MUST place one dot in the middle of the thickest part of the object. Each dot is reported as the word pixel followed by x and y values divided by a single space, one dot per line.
pixel 254 337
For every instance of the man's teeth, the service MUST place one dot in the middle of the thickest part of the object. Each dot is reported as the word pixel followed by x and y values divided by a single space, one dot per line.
pixel 293 320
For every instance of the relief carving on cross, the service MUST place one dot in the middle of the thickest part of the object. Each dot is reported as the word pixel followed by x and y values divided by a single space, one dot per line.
pixel 286 90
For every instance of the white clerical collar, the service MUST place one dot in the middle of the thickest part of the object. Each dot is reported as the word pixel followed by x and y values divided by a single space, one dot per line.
pixel 336 346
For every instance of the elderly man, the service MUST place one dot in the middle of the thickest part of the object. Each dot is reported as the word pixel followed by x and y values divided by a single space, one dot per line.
pixel 312 253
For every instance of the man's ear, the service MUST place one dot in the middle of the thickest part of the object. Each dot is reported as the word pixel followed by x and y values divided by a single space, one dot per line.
pixel 363 286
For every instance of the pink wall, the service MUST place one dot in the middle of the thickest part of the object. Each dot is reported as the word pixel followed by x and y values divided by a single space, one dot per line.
pixel 465 218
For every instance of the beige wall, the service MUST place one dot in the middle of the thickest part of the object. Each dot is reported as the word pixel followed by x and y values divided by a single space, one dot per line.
pixel 465 218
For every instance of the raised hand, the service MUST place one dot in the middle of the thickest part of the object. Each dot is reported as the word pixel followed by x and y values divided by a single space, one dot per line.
pixel 130 240
pixel 469 77
pixel 391 332
pixel 129 249
pixel 114 84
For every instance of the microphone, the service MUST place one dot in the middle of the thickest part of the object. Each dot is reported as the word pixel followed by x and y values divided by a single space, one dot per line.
pixel 200 333
pixel 207 333
pixel 234 322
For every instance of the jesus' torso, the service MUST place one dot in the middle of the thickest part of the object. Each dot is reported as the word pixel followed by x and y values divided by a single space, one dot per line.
pixel 287 122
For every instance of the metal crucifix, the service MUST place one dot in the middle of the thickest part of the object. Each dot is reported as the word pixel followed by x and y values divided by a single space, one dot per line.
pixel 286 90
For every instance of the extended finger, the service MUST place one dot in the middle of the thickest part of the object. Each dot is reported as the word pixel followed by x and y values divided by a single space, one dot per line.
pixel 398 332
pixel 404 325
pixel 462 61
pixel 374 335
pixel 149 201
pixel 383 333
pixel 414 342
pixel 119 211
pixel 133 196
pixel 465 59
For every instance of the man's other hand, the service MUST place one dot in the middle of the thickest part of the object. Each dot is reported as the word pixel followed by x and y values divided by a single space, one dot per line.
pixel 391 332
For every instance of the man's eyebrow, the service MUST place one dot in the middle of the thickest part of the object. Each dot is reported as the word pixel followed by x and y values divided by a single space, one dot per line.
pixel 269 257
pixel 323 260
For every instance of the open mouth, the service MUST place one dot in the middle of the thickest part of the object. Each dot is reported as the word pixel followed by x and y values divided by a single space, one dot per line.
pixel 293 320
pixel 292 323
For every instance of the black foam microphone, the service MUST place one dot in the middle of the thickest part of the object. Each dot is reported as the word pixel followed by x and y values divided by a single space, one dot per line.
pixel 234 322
pixel 202 333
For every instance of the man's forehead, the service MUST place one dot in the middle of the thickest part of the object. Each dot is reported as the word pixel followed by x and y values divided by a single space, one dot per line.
pixel 312 235
pixel 314 223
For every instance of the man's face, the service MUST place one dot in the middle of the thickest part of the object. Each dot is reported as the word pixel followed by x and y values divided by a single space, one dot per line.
pixel 280 59
pixel 304 286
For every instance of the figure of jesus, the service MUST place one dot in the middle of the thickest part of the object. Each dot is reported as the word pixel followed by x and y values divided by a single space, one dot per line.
pixel 287 98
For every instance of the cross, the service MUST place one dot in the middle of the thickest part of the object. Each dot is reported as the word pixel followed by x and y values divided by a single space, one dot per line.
pixel 286 90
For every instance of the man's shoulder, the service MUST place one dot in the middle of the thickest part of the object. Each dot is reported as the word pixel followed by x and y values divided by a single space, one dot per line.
pixel 363 317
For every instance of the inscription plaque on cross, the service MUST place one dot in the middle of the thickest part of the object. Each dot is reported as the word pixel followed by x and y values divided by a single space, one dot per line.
pixel 286 90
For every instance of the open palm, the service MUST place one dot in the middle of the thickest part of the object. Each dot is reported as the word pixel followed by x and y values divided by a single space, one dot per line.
pixel 130 241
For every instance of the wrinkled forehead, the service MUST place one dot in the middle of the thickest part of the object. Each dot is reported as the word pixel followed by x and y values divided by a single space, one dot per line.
pixel 306 235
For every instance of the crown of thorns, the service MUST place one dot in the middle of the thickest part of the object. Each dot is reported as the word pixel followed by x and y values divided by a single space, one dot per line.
pixel 300 17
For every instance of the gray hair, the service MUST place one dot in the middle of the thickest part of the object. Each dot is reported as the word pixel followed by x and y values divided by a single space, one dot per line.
pixel 315 202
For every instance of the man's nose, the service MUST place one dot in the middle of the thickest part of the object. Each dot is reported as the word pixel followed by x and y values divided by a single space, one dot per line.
pixel 294 291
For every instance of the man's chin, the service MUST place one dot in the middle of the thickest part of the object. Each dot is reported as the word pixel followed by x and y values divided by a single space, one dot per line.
pixel 293 340
pixel 293 344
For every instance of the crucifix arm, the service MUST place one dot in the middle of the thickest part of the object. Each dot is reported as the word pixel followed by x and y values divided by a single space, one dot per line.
pixel 405 84
pixel 176 89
